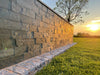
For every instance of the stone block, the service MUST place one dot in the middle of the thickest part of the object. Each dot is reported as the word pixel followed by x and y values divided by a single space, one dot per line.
pixel 5 43
pixel 32 13
pixel 46 45
pixel 7 24
pixel 16 7
pixel 20 50
pixel 44 50
pixel 42 12
pixel 37 52
pixel 28 12
pixel 26 3
pixel 27 65
pixel 4 35
pixel 35 47
pixel 5 4
pixel 38 35
pixel 40 40
pixel 19 70
pixel 33 28
pixel 14 16
pixel 7 72
pixel 36 22
pixel 44 9
pixel 30 35
pixel 26 19
pixel 38 4
pixel 4 13
pixel 41 29
pixel 44 19
pixel 5 53
pixel 38 16
pixel 28 42
pixel 45 60
pixel 27 55
pixel 25 27
pixel 36 9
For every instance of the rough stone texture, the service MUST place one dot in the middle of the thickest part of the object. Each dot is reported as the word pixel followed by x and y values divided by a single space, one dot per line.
pixel 31 23
pixel 7 72
pixel 32 65
pixel 29 28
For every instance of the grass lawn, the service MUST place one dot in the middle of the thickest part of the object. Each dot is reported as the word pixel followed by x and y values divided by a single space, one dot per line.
pixel 81 59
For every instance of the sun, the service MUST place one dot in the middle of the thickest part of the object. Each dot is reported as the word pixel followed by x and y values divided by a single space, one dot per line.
pixel 93 27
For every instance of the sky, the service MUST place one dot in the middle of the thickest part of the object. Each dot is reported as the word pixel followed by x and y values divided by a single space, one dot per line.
pixel 93 7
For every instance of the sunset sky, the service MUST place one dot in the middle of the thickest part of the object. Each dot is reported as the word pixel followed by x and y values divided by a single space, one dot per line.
pixel 92 21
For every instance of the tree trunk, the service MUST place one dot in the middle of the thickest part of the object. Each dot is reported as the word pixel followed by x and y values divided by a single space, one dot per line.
pixel 68 14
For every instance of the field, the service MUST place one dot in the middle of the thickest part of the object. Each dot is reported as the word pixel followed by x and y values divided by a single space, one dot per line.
pixel 81 59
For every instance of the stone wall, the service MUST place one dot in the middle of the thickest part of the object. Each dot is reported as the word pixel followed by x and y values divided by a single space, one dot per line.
pixel 31 28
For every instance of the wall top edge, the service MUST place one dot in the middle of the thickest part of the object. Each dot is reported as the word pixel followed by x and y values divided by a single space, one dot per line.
pixel 54 12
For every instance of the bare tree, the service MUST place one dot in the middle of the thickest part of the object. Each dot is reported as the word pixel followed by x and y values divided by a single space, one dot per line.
pixel 71 9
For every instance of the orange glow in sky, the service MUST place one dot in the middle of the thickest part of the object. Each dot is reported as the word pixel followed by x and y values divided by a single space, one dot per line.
pixel 93 27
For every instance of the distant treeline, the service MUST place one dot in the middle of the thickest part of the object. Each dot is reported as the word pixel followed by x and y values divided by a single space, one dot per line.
pixel 86 35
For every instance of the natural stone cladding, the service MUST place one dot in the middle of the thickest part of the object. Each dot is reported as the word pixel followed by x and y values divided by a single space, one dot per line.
pixel 31 28
pixel 33 65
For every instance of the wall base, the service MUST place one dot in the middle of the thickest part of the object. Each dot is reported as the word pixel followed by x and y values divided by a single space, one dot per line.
pixel 32 65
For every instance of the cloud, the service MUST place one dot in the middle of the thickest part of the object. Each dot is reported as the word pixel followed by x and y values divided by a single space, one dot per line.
pixel 95 21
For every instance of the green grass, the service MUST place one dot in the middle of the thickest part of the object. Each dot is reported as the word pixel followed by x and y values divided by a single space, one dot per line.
pixel 81 59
